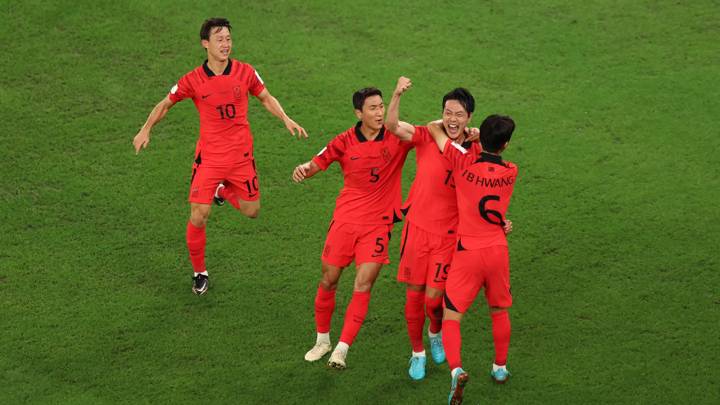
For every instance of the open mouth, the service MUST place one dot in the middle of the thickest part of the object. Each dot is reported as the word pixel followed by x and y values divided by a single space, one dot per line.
pixel 453 129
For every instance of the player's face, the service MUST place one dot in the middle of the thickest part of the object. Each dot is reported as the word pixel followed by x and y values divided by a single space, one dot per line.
pixel 219 45
pixel 372 114
pixel 455 119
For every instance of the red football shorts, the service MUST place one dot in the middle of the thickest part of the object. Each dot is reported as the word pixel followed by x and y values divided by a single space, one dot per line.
pixel 240 180
pixel 487 268
pixel 424 257
pixel 363 243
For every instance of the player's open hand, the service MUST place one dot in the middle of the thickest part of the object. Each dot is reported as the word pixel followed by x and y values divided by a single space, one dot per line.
pixel 295 129
pixel 141 141
pixel 472 134
pixel 507 228
pixel 300 172
pixel 403 85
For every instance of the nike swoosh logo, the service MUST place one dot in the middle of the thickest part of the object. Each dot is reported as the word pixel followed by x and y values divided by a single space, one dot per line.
pixel 205 96
pixel 354 157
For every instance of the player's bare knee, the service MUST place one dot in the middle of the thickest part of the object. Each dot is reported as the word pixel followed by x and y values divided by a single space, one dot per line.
pixel 253 212
pixel 199 215
pixel 434 293
pixel 328 283
pixel 416 287
pixel 250 209
pixel 363 285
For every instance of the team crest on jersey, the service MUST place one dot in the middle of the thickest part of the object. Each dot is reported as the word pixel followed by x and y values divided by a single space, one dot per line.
pixel 387 156
pixel 237 91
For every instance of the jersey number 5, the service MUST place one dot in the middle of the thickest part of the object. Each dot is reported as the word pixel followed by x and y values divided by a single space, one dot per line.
pixel 492 216
pixel 374 176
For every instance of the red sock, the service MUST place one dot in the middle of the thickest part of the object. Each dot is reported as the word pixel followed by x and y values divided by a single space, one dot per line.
pixel 355 316
pixel 434 311
pixel 226 193
pixel 415 318
pixel 452 342
pixel 501 335
pixel 196 246
pixel 324 307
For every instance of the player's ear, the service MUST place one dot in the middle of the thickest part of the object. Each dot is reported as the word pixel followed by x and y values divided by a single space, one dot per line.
pixel 204 43
pixel 358 114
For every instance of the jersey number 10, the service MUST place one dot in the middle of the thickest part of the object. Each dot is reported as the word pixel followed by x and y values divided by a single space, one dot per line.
pixel 226 111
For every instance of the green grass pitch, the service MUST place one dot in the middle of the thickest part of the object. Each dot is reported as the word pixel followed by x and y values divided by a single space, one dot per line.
pixel 613 266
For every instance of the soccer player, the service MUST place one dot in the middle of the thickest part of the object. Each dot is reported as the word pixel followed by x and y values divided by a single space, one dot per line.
pixel 429 235
pixel 484 186
pixel 224 167
pixel 371 160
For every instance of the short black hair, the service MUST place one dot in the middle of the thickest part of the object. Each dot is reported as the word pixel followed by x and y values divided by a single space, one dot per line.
pixel 210 23
pixel 360 96
pixel 495 131
pixel 463 96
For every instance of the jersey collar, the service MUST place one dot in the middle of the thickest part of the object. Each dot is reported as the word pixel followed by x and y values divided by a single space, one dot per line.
pixel 361 138
pixel 487 157
pixel 210 73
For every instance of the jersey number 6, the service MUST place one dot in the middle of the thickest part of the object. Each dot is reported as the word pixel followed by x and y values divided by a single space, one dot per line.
pixel 492 216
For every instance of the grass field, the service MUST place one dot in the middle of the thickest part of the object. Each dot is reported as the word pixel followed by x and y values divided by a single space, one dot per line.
pixel 616 286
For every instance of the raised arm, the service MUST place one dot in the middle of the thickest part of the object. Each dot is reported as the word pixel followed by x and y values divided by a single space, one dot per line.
pixel 437 131
pixel 403 130
pixel 273 105
pixel 142 139
pixel 304 171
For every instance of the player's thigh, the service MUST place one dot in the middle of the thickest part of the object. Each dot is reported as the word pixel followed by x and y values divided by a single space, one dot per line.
pixel 497 277
pixel 330 275
pixel 414 256
pixel 339 248
pixel 440 259
pixel 366 275
pixel 243 183
pixel 203 182
pixel 372 243
pixel 463 282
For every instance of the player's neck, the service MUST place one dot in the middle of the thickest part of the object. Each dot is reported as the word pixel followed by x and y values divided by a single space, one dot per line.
pixel 217 66
pixel 369 133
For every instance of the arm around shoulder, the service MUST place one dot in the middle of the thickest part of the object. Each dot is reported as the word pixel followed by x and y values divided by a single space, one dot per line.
pixel 438 134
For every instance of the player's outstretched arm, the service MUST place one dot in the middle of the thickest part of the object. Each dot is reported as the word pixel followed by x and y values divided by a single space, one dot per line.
pixel 437 131
pixel 304 171
pixel 403 130
pixel 273 105
pixel 142 139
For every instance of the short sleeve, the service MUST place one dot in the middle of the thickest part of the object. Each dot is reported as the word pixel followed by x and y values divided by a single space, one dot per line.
pixel 255 83
pixel 182 90
pixel 334 151
pixel 421 136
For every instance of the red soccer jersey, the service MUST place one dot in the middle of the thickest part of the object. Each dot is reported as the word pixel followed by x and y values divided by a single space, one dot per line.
pixel 484 186
pixel 222 103
pixel 372 171
pixel 431 203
